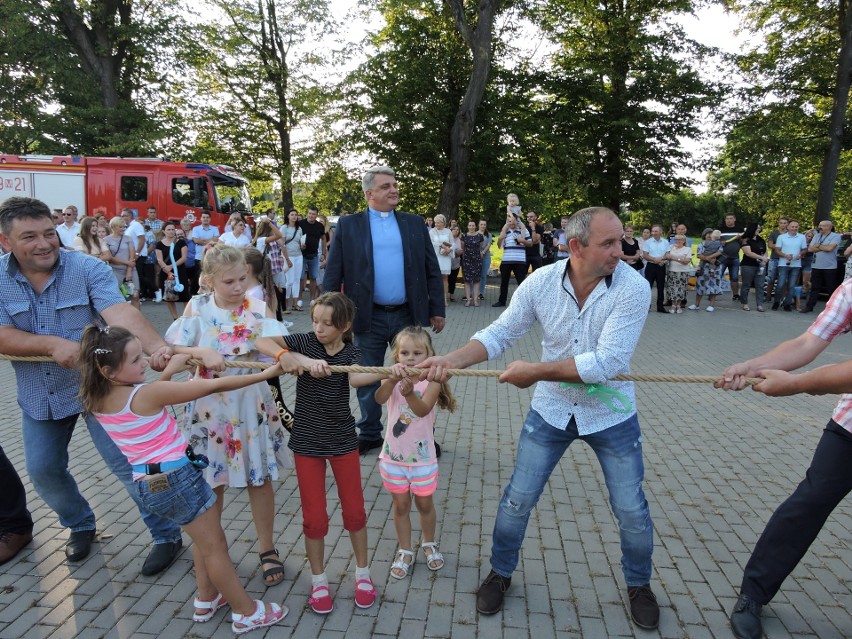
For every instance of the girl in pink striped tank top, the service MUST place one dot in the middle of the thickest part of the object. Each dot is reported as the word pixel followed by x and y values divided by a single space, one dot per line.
pixel 166 471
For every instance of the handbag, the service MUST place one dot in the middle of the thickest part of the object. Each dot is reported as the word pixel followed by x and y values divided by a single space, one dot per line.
pixel 169 293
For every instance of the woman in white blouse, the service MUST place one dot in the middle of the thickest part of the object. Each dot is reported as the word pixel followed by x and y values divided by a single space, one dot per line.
pixel 237 237
pixel 442 241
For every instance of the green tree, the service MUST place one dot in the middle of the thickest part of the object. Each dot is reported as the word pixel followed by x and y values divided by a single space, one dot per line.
pixel 263 84
pixel 624 89
pixel 789 124
pixel 101 63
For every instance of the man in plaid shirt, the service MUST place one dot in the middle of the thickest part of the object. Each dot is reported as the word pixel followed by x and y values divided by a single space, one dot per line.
pixel 795 524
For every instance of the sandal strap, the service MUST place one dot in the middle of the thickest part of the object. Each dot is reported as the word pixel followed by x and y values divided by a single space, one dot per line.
pixel 207 605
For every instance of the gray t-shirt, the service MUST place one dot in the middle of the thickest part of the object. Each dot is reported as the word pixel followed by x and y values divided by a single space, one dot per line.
pixel 826 259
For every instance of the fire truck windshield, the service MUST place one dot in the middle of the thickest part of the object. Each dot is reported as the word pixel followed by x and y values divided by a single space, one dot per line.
pixel 232 194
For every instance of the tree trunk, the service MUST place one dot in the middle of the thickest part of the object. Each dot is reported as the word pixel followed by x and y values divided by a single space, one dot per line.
pixel 479 42
pixel 103 51
pixel 828 178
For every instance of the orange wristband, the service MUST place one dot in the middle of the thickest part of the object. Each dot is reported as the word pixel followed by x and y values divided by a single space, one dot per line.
pixel 280 353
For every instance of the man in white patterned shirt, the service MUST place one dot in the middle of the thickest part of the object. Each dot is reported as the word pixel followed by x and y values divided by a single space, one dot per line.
pixel 591 309
pixel 796 523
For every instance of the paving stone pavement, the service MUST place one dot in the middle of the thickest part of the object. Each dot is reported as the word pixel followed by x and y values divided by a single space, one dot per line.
pixel 717 464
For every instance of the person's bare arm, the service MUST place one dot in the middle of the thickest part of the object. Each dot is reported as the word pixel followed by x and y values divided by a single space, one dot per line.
pixel 787 356
pixel 14 341
pixel 129 317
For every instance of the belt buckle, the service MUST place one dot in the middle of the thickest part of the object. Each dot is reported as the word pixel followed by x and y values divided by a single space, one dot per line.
pixel 158 484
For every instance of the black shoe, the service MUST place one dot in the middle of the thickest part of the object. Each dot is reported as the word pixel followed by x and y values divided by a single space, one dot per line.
pixel 775 306
pixel 79 545
pixel 498 304
pixel 736 298
pixel 437 450
pixel 11 544
pixel 481 296
pixel 644 608
pixel 788 308
pixel 366 445
pixel 161 557
pixel 489 597
pixel 745 619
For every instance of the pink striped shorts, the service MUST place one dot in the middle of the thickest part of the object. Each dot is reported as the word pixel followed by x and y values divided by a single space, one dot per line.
pixel 400 478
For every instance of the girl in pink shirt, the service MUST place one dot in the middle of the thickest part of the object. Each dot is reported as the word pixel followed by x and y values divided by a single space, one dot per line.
pixel 408 462
pixel 166 471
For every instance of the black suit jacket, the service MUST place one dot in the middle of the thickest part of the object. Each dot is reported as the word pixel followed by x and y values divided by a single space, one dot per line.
pixel 350 265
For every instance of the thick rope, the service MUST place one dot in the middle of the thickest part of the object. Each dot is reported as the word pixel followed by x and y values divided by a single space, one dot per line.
pixel 454 372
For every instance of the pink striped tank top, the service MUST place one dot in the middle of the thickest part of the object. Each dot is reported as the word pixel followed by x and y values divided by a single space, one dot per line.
pixel 144 439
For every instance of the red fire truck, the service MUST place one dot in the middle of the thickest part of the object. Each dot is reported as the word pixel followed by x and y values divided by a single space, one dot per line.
pixel 107 185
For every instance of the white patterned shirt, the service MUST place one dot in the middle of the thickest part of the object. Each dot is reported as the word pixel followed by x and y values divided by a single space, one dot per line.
pixel 600 337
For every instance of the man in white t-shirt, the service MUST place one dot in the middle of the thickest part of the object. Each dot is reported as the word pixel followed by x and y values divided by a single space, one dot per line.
pixel 70 228
pixel 202 235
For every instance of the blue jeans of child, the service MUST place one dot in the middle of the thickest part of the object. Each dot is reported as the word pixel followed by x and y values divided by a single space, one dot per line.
pixel 46 450
pixel 619 451
pixel 788 277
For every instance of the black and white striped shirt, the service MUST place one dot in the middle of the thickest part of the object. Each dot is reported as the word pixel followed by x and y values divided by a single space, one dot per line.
pixel 323 425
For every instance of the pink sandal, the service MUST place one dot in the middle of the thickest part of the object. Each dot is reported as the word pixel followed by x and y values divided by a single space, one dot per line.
pixel 264 615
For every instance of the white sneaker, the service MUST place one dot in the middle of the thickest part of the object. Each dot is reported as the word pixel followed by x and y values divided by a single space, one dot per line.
pixel 710 309
pixel 693 307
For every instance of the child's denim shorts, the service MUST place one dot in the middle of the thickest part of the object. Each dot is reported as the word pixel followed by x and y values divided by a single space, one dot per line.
pixel 180 495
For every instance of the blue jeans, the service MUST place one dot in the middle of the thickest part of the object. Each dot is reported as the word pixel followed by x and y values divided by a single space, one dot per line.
pixel 486 266
pixel 733 266
pixel 312 268
pixel 788 277
pixel 187 497
pixel 373 346
pixel 46 450
pixel 619 451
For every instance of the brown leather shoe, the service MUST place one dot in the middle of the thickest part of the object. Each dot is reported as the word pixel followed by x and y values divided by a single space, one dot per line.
pixel 644 608
pixel 12 543
pixel 489 597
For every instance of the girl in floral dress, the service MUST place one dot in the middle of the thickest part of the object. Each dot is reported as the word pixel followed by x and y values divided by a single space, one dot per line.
pixel 240 431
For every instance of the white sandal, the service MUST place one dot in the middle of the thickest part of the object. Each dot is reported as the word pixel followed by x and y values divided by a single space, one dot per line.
pixel 210 606
pixel 433 556
pixel 400 564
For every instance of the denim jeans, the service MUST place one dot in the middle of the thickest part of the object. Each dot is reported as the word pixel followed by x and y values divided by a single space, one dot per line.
pixel 46 450
pixel 486 266
pixel 373 346
pixel 733 266
pixel 619 451
pixel 788 277
pixel 752 277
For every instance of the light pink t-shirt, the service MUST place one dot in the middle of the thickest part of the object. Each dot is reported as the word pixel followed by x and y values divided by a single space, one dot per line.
pixel 409 439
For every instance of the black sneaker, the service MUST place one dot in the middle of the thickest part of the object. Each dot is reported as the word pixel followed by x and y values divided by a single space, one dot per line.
pixel 745 619
pixel 788 308
pixel 736 298
pixel 644 609
pixel 775 306
pixel 489 597
pixel 481 296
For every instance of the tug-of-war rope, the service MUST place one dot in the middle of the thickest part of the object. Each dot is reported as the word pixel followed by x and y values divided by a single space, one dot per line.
pixel 454 372
pixel 614 400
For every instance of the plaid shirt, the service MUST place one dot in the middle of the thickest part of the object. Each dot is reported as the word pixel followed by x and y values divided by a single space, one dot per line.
pixel 79 289
pixel 600 337
pixel 834 320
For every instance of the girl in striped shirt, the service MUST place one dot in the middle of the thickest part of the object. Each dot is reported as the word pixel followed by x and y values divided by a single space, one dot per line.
pixel 166 471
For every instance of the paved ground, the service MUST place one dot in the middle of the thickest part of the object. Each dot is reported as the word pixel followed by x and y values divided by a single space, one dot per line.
pixel 717 465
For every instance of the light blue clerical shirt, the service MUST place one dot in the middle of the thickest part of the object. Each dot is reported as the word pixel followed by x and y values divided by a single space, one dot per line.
pixel 388 259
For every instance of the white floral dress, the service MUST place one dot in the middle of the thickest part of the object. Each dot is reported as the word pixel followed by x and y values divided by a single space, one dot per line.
pixel 240 430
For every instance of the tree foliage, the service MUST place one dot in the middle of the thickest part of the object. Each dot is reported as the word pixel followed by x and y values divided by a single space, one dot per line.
pixel 779 127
